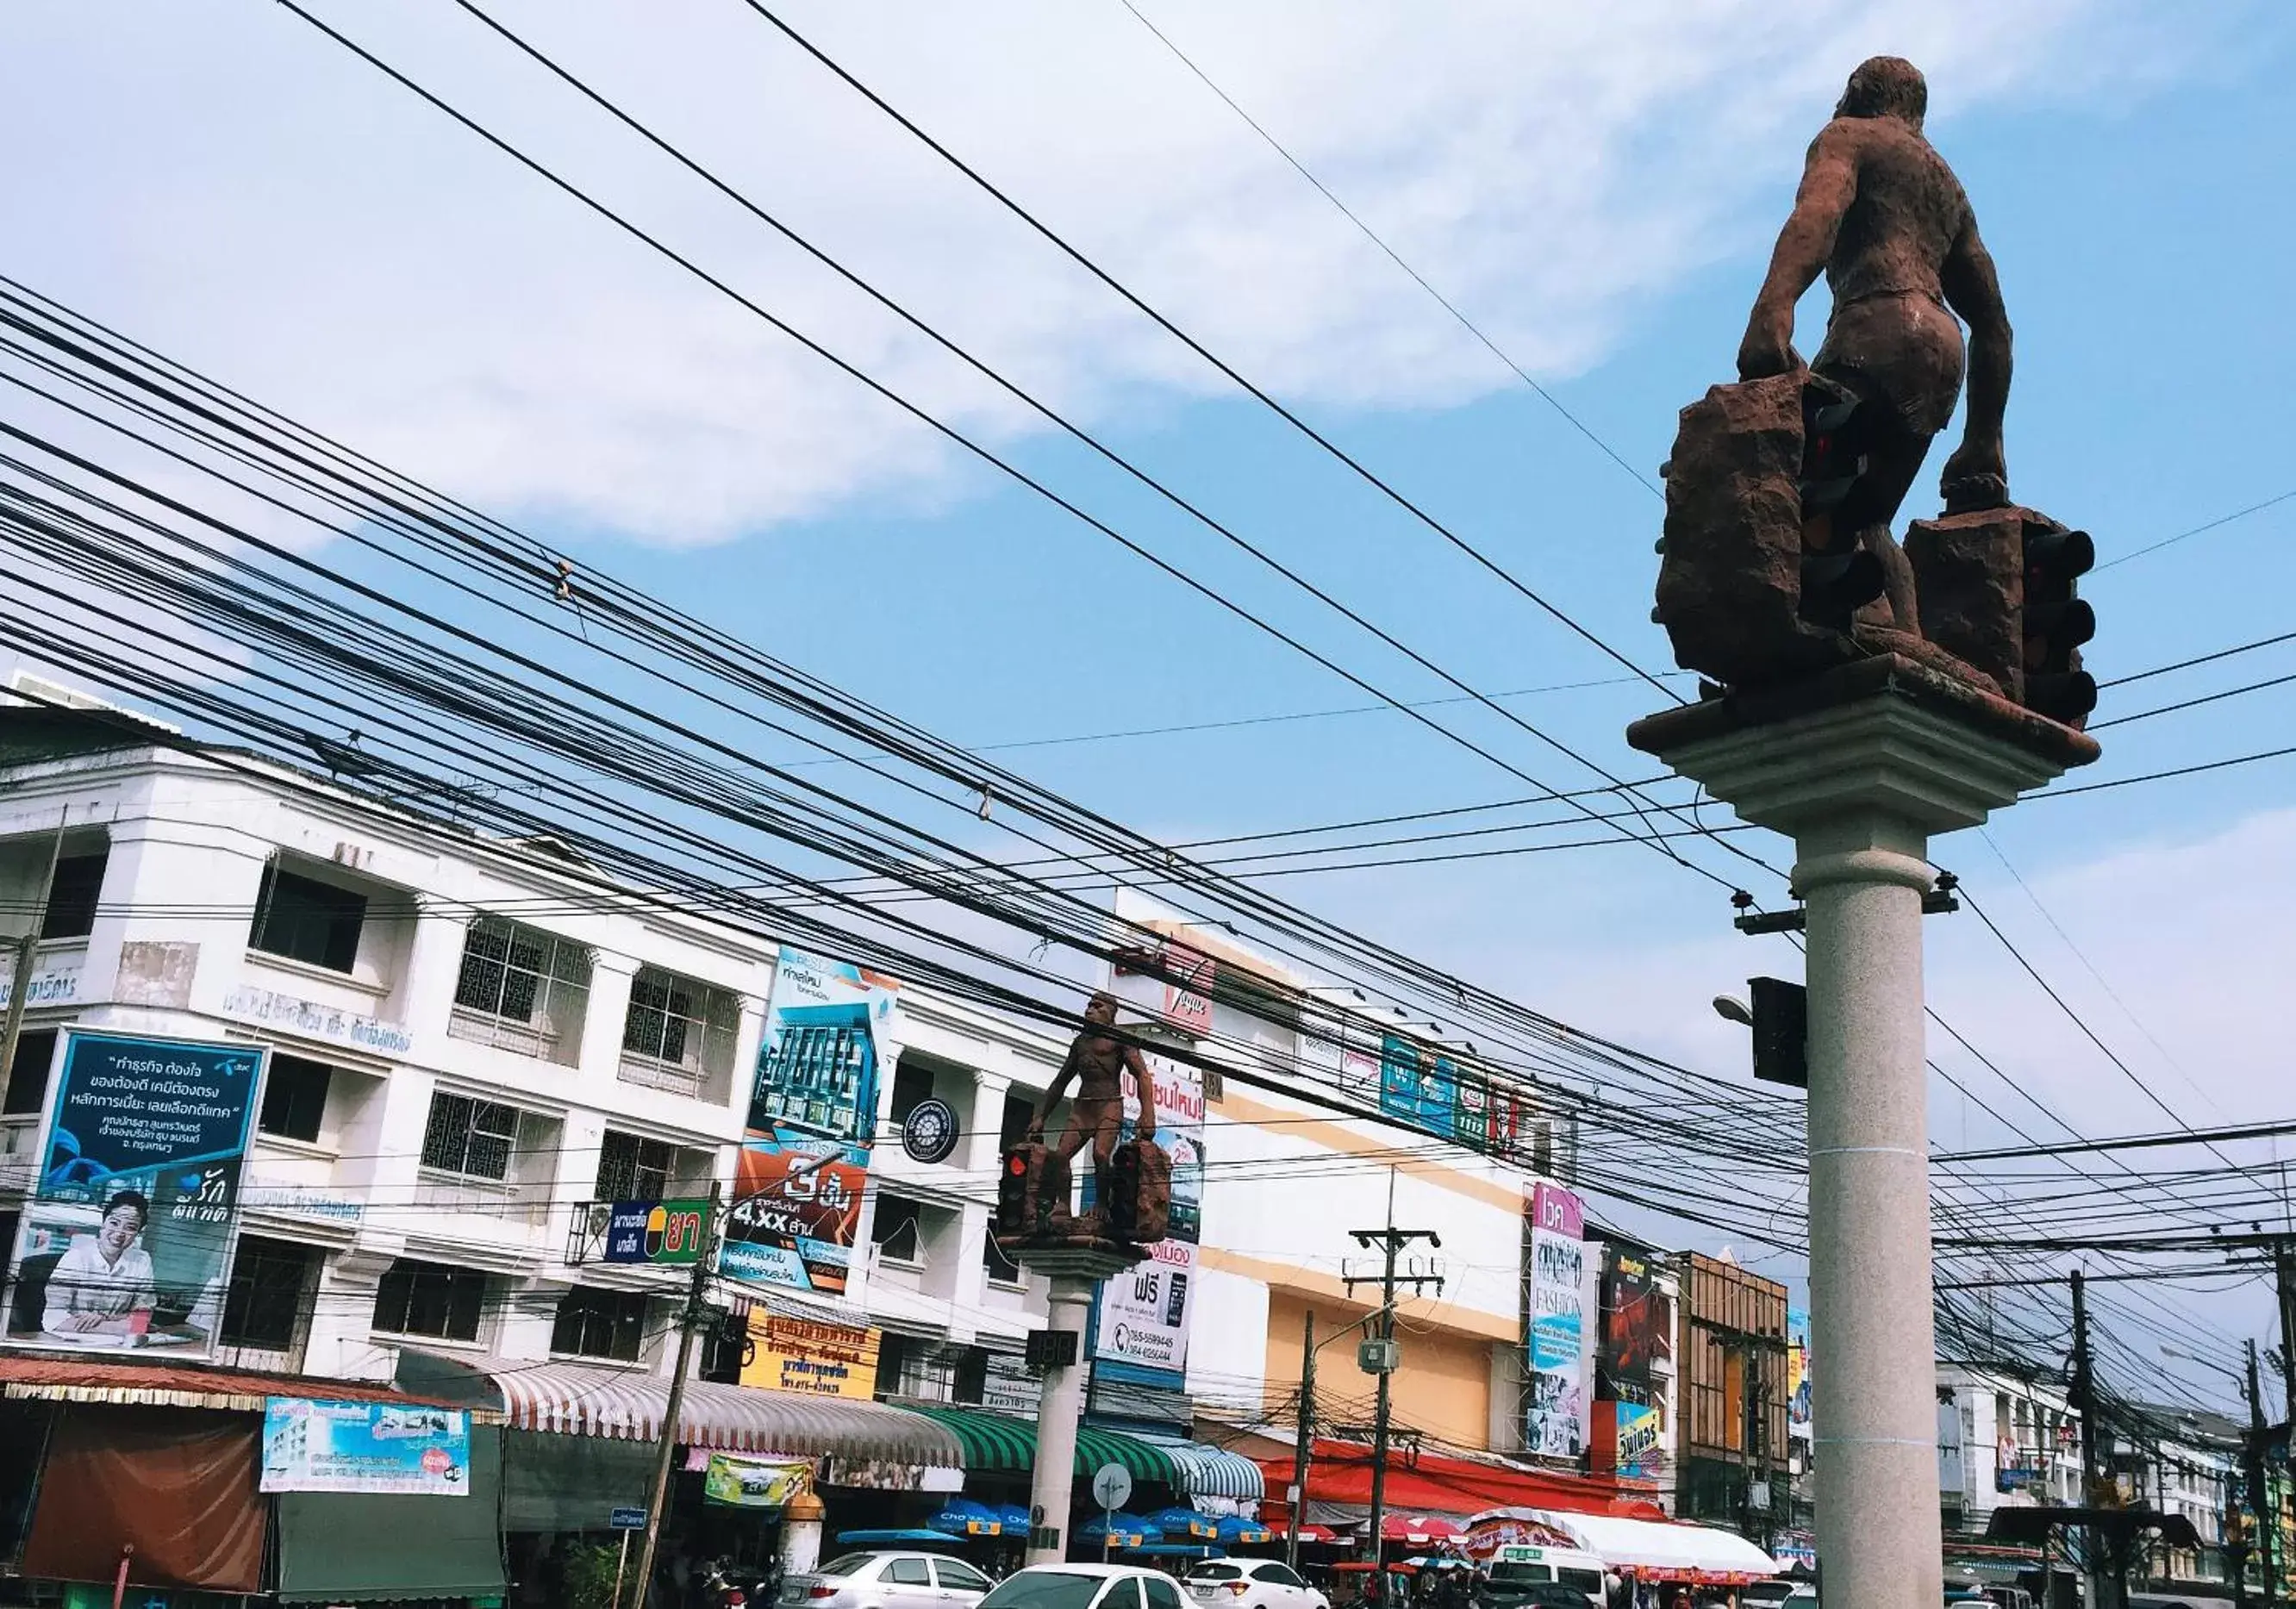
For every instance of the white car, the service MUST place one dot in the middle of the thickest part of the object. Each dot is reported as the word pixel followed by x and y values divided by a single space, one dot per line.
pixel 1252 1584
pixel 1085 1586
pixel 888 1580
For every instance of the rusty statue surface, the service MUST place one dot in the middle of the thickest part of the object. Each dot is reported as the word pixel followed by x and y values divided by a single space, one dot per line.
pixel 1781 491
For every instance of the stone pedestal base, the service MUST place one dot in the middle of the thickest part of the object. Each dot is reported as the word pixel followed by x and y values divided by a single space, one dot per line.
pixel 1861 766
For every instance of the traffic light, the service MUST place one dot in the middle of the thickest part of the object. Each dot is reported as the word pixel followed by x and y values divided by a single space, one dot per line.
pixel 2057 623
pixel 1838 576
pixel 1016 1194
pixel 1780 1012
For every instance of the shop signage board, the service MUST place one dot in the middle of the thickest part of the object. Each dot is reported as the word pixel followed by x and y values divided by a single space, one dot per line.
pixel 1139 1322
pixel 832 1032
pixel 929 1134
pixel 1418 1085
pixel 660 1233
pixel 806 1355
pixel 626 1519
pixel 1556 1423
pixel 126 1236
pixel 369 1447
pixel 1640 1427
pixel 1010 1387
pixel 732 1481
pixel 1188 1000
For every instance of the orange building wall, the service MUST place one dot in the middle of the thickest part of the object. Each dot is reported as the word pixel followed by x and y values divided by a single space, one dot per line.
pixel 1443 1388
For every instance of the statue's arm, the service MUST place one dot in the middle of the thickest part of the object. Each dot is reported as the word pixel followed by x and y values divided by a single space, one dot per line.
pixel 1829 184
pixel 1138 1066
pixel 1059 1087
pixel 1973 289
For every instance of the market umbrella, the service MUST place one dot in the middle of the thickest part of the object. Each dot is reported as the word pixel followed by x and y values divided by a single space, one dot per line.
pixel 1015 1519
pixel 1309 1533
pixel 1419 1529
pixel 1185 1525
pixel 963 1517
pixel 1238 1531
pixel 1119 1531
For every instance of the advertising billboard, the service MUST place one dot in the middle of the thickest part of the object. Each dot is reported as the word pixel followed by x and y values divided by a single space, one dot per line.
pixel 1140 1321
pixel 807 1355
pixel 1799 1419
pixel 127 1237
pixel 376 1447
pixel 1418 1085
pixel 1637 1319
pixel 1640 1429
pixel 664 1234
pixel 732 1481
pixel 833 1033
pixel 1556 1423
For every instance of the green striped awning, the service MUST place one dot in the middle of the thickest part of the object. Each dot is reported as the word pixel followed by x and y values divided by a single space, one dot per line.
pixel 997 1444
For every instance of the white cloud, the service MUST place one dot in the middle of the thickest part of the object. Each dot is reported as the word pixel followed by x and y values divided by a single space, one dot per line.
pixel 225 182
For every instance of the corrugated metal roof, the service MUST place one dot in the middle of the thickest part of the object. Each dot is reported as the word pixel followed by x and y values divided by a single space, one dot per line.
pixel 67 1378
pixel 629 1405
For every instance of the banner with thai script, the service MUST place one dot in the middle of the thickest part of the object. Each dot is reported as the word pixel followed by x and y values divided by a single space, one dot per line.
pixel 126 1238
pixel 733 1481
pixel 1801 1423
pixel 788 1354
pixel 1556 1424
pixel 1142 1320
pixel 374 1447
pixel 833 1033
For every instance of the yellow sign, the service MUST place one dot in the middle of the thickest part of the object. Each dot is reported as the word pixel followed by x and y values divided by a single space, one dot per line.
pixel 803 1355
pixel 739 1483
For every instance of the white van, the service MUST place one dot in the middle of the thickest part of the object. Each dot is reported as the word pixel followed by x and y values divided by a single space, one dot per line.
pixel 1518 1566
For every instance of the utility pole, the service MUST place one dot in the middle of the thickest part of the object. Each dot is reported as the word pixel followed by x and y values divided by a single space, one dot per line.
pixel 25 947
pixel 1307 1435
pixel 2284 1279
pixel 666 1451
pixel 1395 1241
pixel 2260 1490
pixel 2083 1399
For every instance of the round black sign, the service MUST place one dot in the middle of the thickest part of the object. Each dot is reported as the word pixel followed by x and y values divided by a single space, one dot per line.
pixel 929 1134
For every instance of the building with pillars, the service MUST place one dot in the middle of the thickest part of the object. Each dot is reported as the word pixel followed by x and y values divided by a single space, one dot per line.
pixel 470 1039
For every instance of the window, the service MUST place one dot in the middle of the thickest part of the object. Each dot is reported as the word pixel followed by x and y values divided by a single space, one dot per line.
pixel 294 1099
pixel 968 1381
pixel 304 919
pixel 429 1299
pixel 1052 1590
pixel 1280 1574
pixel 912 1086
pixel 1161 1593
pixel 27 1074
pixel 600 1324
pixel 71 897
pixel 1002 1269
pixel 263 1303
pixel 958 1576
pixel 631 1169
pixel 907 1572
pixel 1019 1112
pixel 896 1235
pixel 522 989
pixel 725 1347
pixel 469 1137
pixel 1121 1594
pixel 677 1031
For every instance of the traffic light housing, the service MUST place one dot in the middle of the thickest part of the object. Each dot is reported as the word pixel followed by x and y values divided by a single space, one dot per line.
pixel 2056 623
pixel 1031 1188
pixel 1839 575
pixel 1781 1014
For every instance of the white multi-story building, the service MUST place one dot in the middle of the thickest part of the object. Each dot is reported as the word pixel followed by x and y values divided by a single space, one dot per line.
pixel 2020 1441
pixel 472 1037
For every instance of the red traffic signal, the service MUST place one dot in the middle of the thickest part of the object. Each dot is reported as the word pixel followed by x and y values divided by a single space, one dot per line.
pixel 2057 623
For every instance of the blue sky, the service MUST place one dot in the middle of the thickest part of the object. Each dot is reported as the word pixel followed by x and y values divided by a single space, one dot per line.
pixel 1599 192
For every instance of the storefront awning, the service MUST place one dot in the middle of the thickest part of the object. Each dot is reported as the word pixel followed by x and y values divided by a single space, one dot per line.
pixel 1339 1472
pixel 57 1378
pixel 1662 1547
pixel 629 1405
pixel 995 1444
pixel 1212 1472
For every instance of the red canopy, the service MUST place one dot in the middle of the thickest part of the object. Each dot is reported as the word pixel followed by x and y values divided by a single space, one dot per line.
pixel 1308 1533
pixel 1418 1528
pixel 1340 1472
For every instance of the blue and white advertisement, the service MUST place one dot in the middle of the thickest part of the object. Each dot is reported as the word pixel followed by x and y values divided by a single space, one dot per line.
pixel 373 1447
pixel 1557 1422
pixel 1141 1323
pixel 832 1036
pixel 1418 1085
pixel 128 1236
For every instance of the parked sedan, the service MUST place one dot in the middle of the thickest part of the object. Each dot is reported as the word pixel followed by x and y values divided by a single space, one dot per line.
pixel 888 1580
pixel 1252 1584
pixel 1085 1586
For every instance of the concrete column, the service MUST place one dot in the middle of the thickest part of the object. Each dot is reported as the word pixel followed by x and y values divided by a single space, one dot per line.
pixel 1058 1412
pixel 1875 1398
pixel 802 1533
pixel 1860 765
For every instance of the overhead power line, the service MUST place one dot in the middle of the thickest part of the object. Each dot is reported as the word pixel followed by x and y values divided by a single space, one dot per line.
pixel 2207 525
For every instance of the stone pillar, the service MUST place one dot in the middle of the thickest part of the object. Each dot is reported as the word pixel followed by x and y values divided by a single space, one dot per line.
pixel 1860 765
pixel 1075 1272
pixel 801 1534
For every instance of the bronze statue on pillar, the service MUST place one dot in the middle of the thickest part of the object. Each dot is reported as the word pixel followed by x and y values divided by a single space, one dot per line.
pixel 1780 561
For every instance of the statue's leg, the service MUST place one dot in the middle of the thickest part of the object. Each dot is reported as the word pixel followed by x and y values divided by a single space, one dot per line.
pixel 1893 458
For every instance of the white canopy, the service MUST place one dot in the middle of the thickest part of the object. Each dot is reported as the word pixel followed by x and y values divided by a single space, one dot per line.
pixel 1666 1546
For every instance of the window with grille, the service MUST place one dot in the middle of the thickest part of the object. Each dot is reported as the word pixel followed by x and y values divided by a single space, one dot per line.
pixel 522 989
pixel 71 911
pixel 263 1306
pixel 306 920
pixel 677 1031
pixel 27 1074
pixel 469 1137
pixel 632 1168
pixel 897 1234
pixel 429 1299
pixel 600 1324
pixel 294 1099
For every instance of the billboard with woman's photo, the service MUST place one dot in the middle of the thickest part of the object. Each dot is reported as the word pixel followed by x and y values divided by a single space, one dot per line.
pixel 126 1239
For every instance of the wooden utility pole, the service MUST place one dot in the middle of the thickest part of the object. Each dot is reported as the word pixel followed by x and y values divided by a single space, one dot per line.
pixel 666 1449
pixel 1299 1452
pixel 1394 1240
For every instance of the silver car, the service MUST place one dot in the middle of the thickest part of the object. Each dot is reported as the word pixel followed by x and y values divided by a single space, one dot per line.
pixel 888 1580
